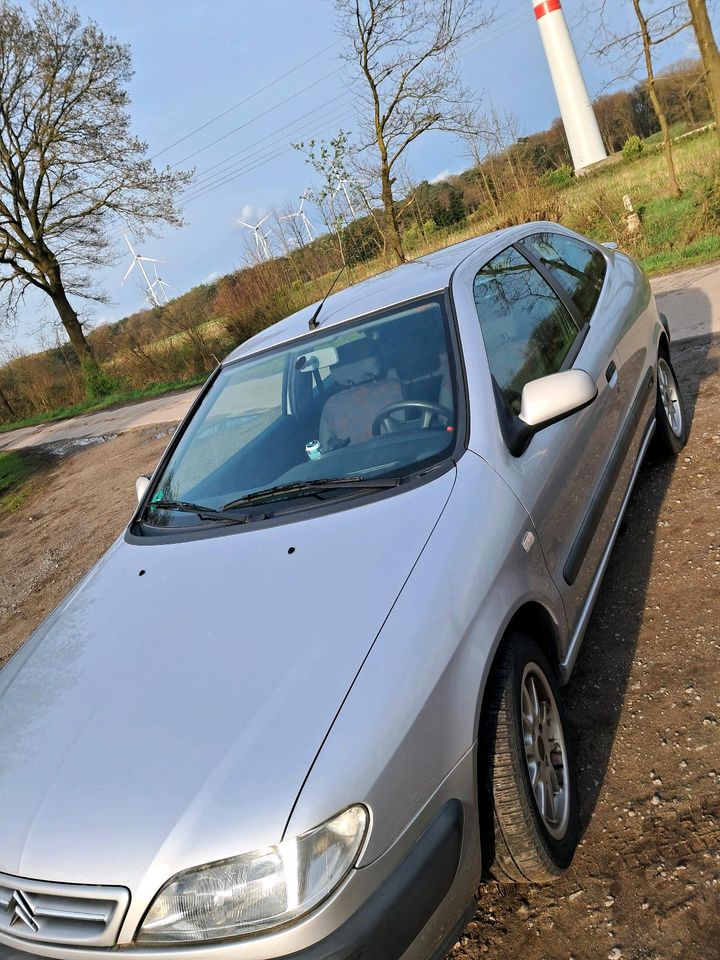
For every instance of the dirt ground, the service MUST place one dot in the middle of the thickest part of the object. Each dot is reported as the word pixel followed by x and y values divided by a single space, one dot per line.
pixel 644 700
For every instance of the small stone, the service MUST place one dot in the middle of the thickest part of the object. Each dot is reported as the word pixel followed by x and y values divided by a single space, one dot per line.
pixel 615 954
pixel 523 910
pixel 655 800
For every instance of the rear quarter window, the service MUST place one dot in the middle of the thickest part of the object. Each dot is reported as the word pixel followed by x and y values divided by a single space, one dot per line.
pixel 576 266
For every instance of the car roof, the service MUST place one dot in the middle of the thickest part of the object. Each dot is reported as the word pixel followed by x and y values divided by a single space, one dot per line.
pixel 416 278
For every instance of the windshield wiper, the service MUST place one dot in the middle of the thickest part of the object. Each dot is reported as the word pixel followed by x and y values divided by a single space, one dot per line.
pixel 205 513
pixel 304 488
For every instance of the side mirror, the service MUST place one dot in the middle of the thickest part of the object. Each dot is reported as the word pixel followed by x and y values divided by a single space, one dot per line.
pixel 555 397
pixel 141 486
pixel 544 402
pixel 610 244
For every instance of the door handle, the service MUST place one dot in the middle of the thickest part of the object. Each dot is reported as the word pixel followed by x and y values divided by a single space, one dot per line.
pixel 611 373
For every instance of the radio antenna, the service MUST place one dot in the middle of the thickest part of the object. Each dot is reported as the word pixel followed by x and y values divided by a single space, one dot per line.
pixel 313 322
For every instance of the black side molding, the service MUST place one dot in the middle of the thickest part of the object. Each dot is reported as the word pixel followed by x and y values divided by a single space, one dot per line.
pixel 666 323
pixel 592 518
pixel 386 925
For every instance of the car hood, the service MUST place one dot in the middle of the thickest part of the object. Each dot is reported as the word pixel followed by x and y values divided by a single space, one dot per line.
pixel 167 714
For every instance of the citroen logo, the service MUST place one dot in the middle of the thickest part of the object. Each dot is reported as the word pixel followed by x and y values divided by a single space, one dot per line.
pixel 21 911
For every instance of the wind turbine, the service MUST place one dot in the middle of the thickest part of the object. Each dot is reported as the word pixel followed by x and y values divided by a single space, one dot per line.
pixel 260 238
pixel 342 185
pixel 303 218
pixel 161 285
pixel 138 261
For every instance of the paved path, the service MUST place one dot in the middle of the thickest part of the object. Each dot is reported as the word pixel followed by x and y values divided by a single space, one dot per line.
pixel 689 298
pixel 165 409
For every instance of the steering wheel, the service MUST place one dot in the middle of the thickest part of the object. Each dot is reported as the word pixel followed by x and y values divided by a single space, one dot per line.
pixel 430 412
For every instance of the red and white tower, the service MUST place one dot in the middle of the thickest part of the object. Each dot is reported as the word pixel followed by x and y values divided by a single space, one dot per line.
pixel 577 114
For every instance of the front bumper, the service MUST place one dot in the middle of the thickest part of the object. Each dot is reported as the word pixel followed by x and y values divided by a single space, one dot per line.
pixel 410 903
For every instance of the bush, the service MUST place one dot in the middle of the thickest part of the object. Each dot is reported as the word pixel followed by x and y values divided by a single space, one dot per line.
pixel 632 148
pixel 97 382
pixel 561 177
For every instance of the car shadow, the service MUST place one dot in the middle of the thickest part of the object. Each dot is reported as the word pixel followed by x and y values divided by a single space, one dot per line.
pixel 596 692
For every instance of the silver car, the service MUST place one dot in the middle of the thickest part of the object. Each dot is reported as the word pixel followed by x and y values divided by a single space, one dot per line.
pixel 311 695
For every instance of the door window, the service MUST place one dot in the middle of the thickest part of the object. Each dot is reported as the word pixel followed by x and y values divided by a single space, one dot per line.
pixel 578 268
pixel 527 331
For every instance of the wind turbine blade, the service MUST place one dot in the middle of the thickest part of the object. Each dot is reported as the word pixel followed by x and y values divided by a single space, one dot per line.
pixel 151 260
pixel 261 222
pixel 129 244
pixel 243 224
pixel 129 271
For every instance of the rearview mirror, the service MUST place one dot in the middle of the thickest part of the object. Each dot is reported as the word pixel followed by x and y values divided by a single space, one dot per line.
pixel 544 402
pixel 141 486
pixel 324 357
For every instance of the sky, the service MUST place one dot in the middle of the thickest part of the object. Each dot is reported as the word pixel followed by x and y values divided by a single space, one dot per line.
pixel 273 69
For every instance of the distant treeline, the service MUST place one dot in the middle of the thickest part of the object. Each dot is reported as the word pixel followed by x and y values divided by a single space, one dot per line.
pixel 512 180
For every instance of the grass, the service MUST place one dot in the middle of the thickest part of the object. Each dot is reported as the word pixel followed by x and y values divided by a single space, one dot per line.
pixel 16 469
pixel 704 250
pixel 113 400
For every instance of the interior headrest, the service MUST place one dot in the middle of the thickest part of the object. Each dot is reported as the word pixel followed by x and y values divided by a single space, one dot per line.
pixel 361 371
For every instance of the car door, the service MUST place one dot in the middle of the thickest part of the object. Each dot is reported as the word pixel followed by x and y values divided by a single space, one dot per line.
pixel 532 327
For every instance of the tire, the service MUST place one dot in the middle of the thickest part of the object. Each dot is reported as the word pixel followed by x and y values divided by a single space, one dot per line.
pixel 519 843
pixel 670 420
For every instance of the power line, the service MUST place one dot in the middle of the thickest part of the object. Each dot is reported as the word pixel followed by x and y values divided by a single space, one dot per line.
pixel 233 173
pixel 516 18
pixel 259 116
pixel 245 100
pixel 256 164
pixel 280 130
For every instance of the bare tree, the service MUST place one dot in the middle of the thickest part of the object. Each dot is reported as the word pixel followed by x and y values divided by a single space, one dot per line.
pixel 404 53
pixel 71 172
pixel 629 49
pixel 708 53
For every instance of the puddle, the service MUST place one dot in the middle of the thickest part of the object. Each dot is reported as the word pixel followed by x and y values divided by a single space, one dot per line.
pixel 163 433
pixel 60 448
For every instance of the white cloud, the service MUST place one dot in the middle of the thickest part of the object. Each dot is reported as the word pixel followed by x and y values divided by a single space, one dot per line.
pixel 443 175
pixel 212 277
pixel 251 214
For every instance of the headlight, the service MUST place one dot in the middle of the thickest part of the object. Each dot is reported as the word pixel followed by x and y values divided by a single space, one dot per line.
pixel 257 890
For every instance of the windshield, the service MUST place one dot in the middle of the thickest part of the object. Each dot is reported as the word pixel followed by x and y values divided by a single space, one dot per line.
pixel 370 400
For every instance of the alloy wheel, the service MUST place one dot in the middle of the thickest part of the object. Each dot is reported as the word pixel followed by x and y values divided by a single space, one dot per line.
pixel 669 396
pixel 545 751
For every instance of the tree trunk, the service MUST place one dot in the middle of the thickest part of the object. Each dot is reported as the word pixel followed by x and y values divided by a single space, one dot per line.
pixel 489 192
pixel 4 402
pixel 72 325
pixel 708 53
pixel 655 100
pixel 392 227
